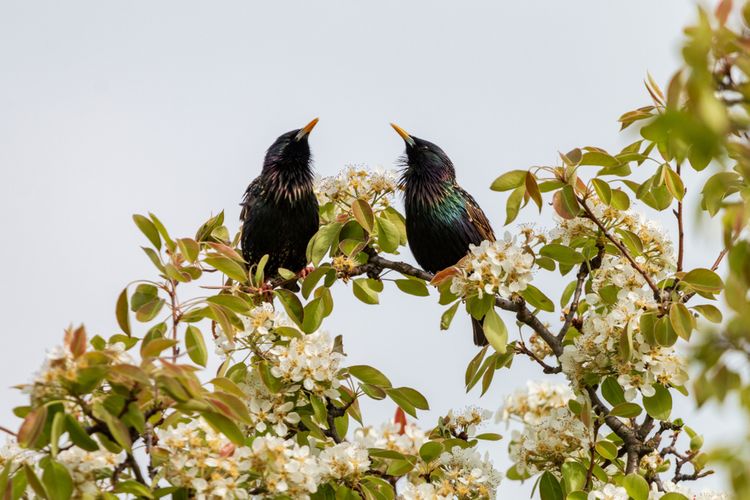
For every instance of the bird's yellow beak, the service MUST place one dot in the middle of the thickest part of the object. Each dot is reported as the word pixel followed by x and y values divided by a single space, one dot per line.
pixel 306 129
pixel 404 135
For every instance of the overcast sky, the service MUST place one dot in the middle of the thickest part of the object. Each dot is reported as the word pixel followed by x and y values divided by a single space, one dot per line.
pixel 111 108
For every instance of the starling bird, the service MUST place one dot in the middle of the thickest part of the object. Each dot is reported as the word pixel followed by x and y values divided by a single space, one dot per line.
pixel 280 210
pixel 441 218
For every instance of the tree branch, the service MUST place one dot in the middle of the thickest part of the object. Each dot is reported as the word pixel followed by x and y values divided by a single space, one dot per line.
pixel 624 251
pixel 376 264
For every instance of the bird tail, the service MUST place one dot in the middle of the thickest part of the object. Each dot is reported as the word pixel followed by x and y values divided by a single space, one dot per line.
pixel 479 338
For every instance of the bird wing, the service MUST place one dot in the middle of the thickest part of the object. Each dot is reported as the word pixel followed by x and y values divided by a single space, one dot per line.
pixel 477 217
pixel 251 195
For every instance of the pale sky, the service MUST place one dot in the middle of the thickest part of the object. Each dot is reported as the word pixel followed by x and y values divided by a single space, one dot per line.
pixel 111 108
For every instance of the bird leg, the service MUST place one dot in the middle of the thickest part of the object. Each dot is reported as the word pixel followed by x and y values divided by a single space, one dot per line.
pixel 306 271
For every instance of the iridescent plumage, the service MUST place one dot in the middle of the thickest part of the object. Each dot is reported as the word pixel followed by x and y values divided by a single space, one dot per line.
pixel 442 219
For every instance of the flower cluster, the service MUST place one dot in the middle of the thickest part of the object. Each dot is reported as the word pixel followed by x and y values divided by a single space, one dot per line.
pixel 532 404
pixel 547 443
pixel 374 186
pixel 286 468
pixel 494 267
pixel 309 360
pixel 90 470
pixel 259 326
pixel 199 458
pixel 268 410
pixel 596 350
pixel 391 436
pixel 61 368
pixel 608 492
pixel 465 474
pixel 344 461
pixel 467 421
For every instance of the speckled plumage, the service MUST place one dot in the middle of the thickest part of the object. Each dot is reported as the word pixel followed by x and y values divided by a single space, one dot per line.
pixel 280 210
pixel 442 219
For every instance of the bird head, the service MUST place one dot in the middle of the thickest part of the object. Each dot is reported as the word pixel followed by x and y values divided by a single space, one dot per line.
pixel 424 158
pixel 291 151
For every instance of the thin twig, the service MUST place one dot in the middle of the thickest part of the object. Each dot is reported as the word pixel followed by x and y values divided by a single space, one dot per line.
pixel 624 251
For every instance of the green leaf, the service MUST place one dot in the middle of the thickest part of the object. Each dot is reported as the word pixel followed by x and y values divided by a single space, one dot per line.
pixel 447 317
pixel 620 200
pixel 489 436
pixel 322 241
pixel 710 312
pixel 369 375
pixel 413 287
pixel 674 496
pixel 133 488
pixel 681 319
pixel 229 267
pixel 636 486
pixel 118 430
pixel 149 229
pixel 574 476
pixel 292 305
pixel 703 280
pixel 313 315
pixel 626 410
pixel 121 312
pixel 414 397
pixel 513 205
pixel 57 429
pixel 363 214
pixel 224 425
pixel 562 254
pixel 674 184
pixel 389 236
pixel 189 248
pixel 509 180
pixel 78 434
pixel 367 289
pixel 659 406
pixel 196 346
pixel 606 449
pixel 495 331
pixel 430 451
pixel 603 191
pixel 399 467
pixel 549 487
pixel 34 481
pixel 536 298
pixel 57 480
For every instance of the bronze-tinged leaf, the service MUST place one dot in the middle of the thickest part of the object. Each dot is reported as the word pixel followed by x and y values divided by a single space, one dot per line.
pixel 532 189
pixel 723 10
pixel 565 204
pixel 443 275
pixel 32 427
pixel 121 312
pixel 75 340
pixel 227 251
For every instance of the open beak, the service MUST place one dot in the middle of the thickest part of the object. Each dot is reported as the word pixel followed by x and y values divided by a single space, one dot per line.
pixel 404 135
pixel 306 129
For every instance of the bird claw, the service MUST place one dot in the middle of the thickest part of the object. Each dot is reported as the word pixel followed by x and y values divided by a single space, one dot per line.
pixel 305 272
pixel 266 292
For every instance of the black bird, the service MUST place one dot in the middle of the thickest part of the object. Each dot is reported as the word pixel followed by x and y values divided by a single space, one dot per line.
pixel 280 210
pixel 441 218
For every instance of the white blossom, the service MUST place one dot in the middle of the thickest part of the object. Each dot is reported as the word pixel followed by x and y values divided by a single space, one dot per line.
pixel 494 267
pixel 344 461
pixel 376 187
pixel 390 436
pixel 309 360
pixel 89 470
pixel 608 492
pixel 536 401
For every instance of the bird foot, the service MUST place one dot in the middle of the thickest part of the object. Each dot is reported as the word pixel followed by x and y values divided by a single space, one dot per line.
pixel 303 274
pixel 266 292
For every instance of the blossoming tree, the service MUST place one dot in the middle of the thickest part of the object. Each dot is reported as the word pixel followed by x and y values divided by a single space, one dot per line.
pixel 135 414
